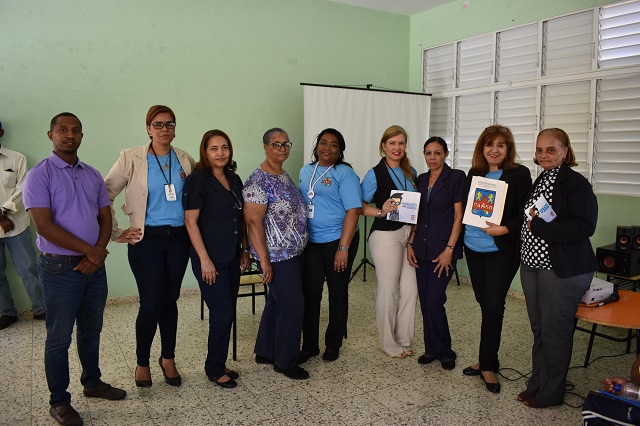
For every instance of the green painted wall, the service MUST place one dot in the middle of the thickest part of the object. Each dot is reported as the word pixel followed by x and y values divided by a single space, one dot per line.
pixel 451 22
pixel 230 64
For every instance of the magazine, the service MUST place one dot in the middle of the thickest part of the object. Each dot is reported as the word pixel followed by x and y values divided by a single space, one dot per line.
pixel 485 202
pixel 408 204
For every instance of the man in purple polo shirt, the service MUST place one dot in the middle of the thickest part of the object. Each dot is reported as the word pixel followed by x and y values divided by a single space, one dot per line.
pixel 69 205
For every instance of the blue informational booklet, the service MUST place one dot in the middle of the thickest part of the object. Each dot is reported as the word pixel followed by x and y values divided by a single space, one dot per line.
pixel 408 204
pixel 620 398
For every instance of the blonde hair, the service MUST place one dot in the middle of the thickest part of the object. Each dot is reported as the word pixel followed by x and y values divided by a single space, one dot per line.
pixel 405 164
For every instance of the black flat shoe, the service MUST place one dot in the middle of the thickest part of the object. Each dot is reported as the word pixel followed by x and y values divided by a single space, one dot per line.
pixel 491 387
pixel 426 359
pixel 143 383
pixel 470 371
pixel 296 372
pixel 448 365
pixel 232 374
pixel 331 354
pixel 229 384
pixel 171 381
pixel 305 356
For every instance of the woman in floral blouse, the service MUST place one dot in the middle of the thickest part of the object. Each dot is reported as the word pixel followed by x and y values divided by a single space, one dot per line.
pixel 276 219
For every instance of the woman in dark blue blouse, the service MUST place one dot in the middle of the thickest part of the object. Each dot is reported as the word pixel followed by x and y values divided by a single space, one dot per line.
pixel 213 216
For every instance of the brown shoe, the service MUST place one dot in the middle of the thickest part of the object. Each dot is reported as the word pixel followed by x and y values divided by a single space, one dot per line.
pixel 105 391
pixel 66 415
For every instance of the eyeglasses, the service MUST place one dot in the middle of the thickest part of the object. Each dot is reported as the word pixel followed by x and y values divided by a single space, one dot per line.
pixel 278 145
pixel 159 125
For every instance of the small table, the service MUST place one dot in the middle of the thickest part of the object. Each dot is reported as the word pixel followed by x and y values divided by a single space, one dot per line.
pixel 625 313
pixel 633 281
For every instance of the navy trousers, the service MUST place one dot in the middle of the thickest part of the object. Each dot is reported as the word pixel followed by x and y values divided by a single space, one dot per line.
pixel 221 298
pixel 281 324
pixel 433 296
pixel 158 263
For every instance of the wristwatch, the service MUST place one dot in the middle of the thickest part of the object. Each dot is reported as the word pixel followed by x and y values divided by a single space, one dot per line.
pixel 343 248
pixel 379 213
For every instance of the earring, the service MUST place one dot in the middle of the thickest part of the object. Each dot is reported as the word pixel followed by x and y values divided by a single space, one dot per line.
pixel 150 137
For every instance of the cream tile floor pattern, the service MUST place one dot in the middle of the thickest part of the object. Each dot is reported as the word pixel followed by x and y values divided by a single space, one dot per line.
pixel 363 387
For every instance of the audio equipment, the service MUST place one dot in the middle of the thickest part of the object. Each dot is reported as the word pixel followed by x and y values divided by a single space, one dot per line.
pixel 636 238
pixel 624 237
pixel 616 262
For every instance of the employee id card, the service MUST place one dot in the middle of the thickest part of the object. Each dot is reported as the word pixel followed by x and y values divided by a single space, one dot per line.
pixel 170 192
pixel 310 211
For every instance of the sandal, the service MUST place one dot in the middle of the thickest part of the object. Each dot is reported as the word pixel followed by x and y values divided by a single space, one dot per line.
pixel 408 352
pixel 401 355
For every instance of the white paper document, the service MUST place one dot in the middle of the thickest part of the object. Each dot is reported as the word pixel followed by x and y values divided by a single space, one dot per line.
pixel 408 205
pixel 485 202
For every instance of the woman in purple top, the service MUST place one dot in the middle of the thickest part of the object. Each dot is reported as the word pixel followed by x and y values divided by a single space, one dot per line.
pixel 276 219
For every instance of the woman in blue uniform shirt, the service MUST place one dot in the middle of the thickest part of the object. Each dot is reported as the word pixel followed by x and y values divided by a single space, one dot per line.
pixel 331 190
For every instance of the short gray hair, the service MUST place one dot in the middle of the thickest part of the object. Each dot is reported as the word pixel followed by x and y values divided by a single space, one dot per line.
pixel 266 138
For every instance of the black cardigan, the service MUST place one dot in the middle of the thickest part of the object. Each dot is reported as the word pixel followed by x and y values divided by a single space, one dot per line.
pixel 576 208
pixel 519 181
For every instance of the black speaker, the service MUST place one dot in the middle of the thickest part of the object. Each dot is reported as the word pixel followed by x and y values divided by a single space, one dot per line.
pixel 614 262
pixel 624 237
pixel 636 238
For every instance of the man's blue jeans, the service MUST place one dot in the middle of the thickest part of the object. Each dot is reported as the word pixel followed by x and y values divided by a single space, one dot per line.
pixel 24 259
pixel 71 297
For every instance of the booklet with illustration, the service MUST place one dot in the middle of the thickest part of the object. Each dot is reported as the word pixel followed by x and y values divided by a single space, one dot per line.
pixel 408 204
pixel 485 202
pixel 543 208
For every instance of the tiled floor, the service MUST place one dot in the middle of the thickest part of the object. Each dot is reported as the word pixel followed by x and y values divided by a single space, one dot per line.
pixel 363 387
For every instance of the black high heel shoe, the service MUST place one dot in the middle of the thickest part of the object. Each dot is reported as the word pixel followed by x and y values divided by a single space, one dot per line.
pixel 491 387
pixel 142 383
pixel 470 371
pixel 171 381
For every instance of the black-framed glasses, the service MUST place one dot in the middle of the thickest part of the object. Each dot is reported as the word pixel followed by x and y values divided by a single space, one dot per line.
pixel 279 145
pixel 159 125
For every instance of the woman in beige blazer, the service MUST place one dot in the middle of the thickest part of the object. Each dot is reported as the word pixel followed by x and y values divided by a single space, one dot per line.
pixel 153 176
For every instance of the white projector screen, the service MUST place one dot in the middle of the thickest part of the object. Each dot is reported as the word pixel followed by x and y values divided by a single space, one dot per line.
pixel 362 115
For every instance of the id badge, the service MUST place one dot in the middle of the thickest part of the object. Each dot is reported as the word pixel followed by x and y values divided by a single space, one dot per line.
pixel 170 192
pixel 310 208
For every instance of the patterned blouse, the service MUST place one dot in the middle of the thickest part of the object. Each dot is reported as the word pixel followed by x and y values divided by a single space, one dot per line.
pixel 535 251
pixel 285 221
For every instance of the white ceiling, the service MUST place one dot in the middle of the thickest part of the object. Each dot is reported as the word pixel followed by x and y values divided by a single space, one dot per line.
pixel 402 7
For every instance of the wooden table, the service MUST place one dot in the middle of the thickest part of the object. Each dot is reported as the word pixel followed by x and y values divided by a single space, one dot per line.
pixel 625 313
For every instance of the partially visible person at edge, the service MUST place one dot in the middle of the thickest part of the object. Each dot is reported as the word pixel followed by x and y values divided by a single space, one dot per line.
pixel 275 214
pixel 492 252
pixel 212 198
pixel 331 190
pixel 602 410
pixel 388 241
pixel 557 267
pixel 153 176
pixel 16 236
pixel 69 205
pixel 434 247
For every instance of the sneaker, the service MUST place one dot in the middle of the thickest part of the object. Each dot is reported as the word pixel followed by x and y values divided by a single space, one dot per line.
pixel 66 415
pixel 105 391
pixel 7 320
pixel 296 372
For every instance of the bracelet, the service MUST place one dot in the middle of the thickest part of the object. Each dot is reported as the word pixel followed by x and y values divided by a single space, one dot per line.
pixel 379 214
pixel 343 248
pixel 410 245
pixel 451 247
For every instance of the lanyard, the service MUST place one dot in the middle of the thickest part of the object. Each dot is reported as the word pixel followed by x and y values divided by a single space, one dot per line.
pixel 404 186
pixel 162 171
pixel 312 184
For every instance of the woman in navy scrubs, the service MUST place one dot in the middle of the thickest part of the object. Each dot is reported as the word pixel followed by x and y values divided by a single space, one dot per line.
pixel 213 216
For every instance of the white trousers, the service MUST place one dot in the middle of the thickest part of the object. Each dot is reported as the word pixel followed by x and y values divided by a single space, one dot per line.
pixel 395 313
